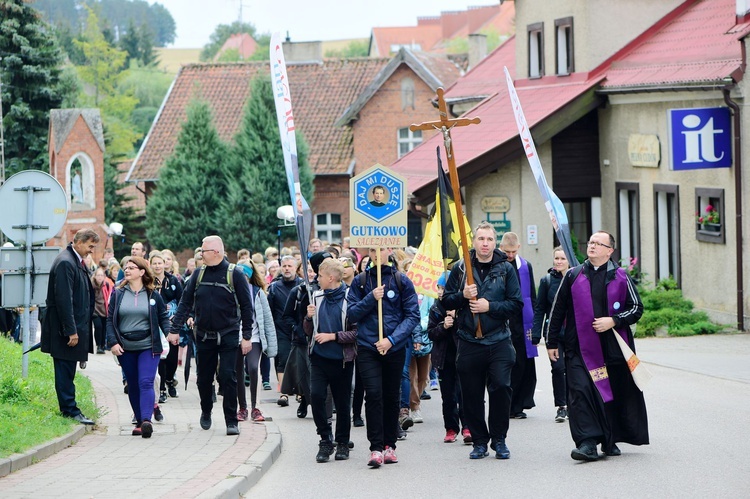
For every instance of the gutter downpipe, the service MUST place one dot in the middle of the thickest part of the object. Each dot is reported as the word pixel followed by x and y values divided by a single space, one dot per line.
pixel 738 203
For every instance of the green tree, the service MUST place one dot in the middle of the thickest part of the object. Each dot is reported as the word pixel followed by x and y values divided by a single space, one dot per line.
pixel 258 184
pixel 221 34
pixel 192 185
pixel 30 72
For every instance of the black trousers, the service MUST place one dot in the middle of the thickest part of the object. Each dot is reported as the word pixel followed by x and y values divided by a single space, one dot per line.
pixel 100 333
pixel 168 367
pixel 486 365
pixel 559 384
pixel 358 397
pixel 338 375
pixel 210 354
pixel 65 373
pixel 381 377
pixel 450 391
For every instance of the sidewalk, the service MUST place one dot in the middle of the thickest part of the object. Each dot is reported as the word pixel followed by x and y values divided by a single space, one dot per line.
pixel 180 459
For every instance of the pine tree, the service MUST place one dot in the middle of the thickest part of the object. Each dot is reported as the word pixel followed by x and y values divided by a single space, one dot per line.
pixel 258 185
pixel 192 186
pixel 30 70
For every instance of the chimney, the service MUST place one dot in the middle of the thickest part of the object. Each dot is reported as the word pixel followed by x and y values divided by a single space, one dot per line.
pixel 742 8
pixel 478 48
pixel 303 51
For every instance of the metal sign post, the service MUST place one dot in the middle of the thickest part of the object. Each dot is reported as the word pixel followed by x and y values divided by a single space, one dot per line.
pixel 42 218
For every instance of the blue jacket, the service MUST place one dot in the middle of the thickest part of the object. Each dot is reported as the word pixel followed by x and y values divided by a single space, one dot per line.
pixel 157 314
pixel 400 308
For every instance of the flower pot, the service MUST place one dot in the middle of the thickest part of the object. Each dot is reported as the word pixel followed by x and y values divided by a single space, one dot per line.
pixel 712 227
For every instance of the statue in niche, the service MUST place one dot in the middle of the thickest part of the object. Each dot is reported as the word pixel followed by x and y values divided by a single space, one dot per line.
pixel 76 187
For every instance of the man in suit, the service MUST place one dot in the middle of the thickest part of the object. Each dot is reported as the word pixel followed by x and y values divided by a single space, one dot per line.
pixel 66 330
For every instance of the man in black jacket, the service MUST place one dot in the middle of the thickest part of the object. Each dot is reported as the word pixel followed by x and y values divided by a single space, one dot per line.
pixel 219 305
pixel 66 330
pixel 278 293
pixel 485 361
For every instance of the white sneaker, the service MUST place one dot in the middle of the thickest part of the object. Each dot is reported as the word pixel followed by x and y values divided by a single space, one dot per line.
pixel 416 416
pixel 434 385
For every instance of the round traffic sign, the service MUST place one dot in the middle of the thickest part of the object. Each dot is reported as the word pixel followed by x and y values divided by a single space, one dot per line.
pixel 49 211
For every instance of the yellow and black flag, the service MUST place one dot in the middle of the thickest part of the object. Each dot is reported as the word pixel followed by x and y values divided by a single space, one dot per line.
pixel 448 216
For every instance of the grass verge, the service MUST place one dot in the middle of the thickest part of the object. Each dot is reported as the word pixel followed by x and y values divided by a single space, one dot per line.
pixel 29 414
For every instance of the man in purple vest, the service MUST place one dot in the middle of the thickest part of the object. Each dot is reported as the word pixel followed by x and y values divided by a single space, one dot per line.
pixel 523 375
pixel 597 300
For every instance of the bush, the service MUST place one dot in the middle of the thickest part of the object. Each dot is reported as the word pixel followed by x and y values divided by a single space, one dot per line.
pixel 29 414
pixel 664 306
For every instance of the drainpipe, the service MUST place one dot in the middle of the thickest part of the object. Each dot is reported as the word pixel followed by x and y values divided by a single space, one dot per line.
pixel 738 203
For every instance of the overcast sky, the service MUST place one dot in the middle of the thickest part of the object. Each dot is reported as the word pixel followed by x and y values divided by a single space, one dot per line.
pixel 305 20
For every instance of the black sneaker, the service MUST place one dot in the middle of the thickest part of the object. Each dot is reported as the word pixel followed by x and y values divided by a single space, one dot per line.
pixel 519 415
pixel 157 414
pixel 233 429
pixel 401 433
pixel 172 390
pixel 425 396
pixel 615 451
pixel 205 420
pixel 562 414
pixel 501 450
pixel 146 429
pixel 325 449
pixel 585 452
pixel 342 452
pixel 358 422
pixel 163 397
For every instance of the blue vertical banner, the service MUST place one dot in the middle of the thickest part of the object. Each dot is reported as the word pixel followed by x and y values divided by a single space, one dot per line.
pixel 700 138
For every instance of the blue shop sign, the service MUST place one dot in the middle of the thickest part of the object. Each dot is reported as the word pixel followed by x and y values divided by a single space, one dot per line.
pixel 700 138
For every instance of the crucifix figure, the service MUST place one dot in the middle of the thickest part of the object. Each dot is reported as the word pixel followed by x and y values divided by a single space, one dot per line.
pixel 444 126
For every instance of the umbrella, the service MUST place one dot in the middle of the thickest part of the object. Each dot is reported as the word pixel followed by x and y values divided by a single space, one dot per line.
pixel 190 354
pixel 33 348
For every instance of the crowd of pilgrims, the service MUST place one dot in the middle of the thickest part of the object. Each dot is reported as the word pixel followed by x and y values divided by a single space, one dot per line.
pixel 309 362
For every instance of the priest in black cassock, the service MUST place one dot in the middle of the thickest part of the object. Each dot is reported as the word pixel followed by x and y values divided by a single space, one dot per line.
pixel 597 300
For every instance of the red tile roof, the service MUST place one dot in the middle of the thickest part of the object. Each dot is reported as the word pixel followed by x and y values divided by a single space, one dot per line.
pixel 498 127
pixel 700 45
pixel 243 43
pixel 431 33
pixel 320 91
pixel 484 79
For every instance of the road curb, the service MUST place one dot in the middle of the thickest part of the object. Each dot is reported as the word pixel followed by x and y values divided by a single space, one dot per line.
pixel 242 479
pixel 19 461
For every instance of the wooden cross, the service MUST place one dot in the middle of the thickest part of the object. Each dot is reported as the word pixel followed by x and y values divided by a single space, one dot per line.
pixel 444 126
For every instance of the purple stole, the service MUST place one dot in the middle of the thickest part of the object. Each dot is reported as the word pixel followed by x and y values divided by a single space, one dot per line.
pixel 528 308
pixel 588 339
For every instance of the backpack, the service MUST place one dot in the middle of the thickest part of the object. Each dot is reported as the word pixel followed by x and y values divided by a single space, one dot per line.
pixel 229 286
pixel 396 275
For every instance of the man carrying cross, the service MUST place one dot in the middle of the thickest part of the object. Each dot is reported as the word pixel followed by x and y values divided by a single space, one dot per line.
pixel 485 361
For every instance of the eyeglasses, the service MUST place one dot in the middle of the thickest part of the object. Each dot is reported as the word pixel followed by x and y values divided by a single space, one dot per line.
pixel 131 267
pixel 597 243
pixel 207 250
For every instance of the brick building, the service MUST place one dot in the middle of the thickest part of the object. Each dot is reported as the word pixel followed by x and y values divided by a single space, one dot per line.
pixel 76 159
pixel 351 112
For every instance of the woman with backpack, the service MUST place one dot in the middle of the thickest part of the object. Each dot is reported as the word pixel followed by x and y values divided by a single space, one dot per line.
pixel 548 286
pixel 263 341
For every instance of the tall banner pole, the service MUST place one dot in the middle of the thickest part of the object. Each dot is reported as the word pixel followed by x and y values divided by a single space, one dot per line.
pixel 285 116
pixel 444 127
pixel 554 206
pixel 380 302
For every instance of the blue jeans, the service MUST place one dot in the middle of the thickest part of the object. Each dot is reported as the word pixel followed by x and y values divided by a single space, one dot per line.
pixel 405 380
pixel 140 371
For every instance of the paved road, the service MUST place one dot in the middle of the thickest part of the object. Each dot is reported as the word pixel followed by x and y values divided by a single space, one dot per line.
pixel 180 460
pixel 699 411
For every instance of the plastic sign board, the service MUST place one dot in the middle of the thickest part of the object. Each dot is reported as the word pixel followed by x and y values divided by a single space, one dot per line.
pixel 377 209
pixel 700 138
